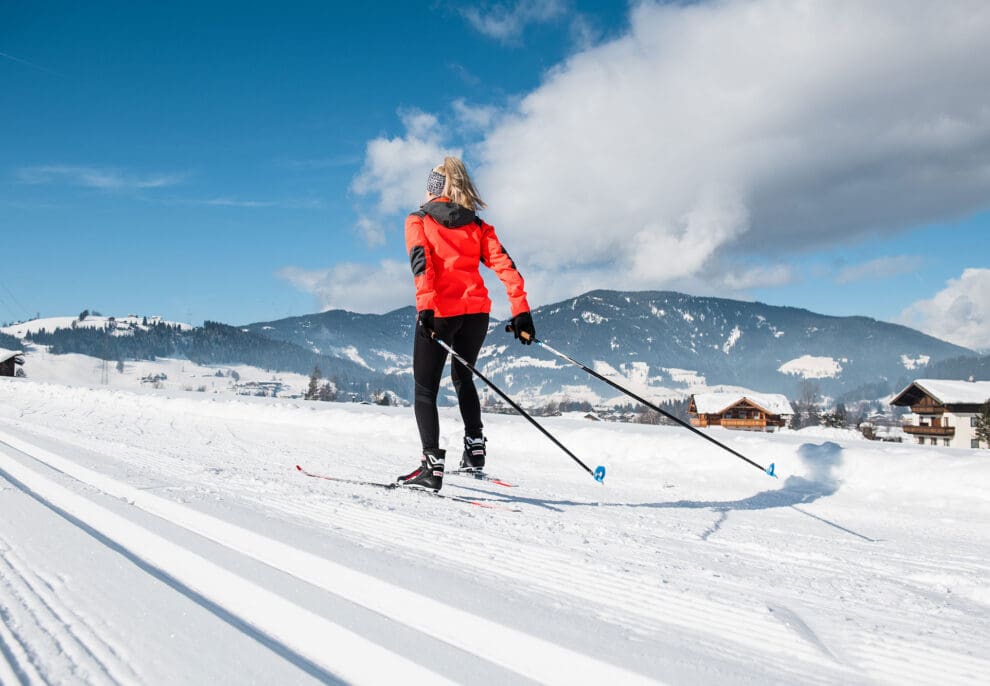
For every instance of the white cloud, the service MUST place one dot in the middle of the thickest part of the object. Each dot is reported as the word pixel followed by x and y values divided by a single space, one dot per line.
pixel 760 276
pixel 474 118
pixel 395 169
pixel 743 128
pixel 714 134
pixel 959 313
pixel 882 267
pixel 356 287
pixel 101 178
pixel 506 21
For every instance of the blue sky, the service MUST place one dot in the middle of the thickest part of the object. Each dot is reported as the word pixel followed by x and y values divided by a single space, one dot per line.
pixel 245 162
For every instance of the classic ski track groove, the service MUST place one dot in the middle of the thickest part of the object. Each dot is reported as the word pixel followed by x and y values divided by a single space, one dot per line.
pixel 754 628
pixel 884 659
pixel 89 657
pixel 295 629
pixel 644 606
pixel 463 630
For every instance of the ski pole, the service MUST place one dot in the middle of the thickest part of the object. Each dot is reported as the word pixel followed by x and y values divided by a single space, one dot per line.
pixel 767 470
pixel 598 474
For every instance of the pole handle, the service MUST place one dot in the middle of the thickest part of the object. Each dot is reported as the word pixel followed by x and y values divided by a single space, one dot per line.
pixel 522 334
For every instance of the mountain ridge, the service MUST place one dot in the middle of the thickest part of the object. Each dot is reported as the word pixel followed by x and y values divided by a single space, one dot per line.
pixel 665 342
pixel 663 345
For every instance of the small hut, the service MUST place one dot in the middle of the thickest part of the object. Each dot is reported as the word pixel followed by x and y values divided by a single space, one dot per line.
pixel 748 411
pixel 9 359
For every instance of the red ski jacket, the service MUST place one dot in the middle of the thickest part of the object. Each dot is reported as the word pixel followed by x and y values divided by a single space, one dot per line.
pixel 446 242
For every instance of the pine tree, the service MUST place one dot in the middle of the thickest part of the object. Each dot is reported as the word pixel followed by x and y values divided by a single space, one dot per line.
pixel 326 393
pixel 313 391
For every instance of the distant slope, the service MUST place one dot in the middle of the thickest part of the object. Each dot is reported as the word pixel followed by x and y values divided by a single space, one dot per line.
pixel 212 344
pixel 662 343
pixel 375 342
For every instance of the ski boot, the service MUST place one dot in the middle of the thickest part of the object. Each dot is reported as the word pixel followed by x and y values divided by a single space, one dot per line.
pixel 429 474
pixel 473 458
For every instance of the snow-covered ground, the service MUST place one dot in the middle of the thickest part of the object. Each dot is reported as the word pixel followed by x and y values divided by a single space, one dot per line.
pixel 166 537
pixel 169 374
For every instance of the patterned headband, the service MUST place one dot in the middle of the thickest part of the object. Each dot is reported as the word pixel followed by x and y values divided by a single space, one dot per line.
pixel 435 184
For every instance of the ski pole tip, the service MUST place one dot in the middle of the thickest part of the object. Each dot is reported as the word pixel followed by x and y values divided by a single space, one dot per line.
pixel 770 471
pixel 599 474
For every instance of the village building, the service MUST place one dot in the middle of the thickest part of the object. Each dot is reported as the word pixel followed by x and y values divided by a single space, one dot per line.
pixel 9 359
pixel 744 410
pixel 944 411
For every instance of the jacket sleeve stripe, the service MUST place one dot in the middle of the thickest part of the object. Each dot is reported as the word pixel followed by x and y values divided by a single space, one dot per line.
pixel 417 260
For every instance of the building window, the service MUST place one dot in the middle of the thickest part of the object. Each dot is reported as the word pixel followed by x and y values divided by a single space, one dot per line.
pixel 945 442
pixel 974 443
pixel 972 420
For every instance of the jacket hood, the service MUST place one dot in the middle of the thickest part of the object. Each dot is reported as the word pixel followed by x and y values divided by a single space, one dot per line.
pixel 448 213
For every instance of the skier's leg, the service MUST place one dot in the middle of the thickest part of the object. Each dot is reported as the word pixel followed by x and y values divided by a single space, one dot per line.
pixel 428 361
pixel 467 342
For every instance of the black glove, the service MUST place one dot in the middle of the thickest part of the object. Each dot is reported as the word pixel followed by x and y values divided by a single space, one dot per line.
pixel 425 324
pixel 521 324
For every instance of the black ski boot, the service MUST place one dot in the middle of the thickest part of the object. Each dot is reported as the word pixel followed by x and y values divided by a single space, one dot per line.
pixel 473 459
pixel 429 474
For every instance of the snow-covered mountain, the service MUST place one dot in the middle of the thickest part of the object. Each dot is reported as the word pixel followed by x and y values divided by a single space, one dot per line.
pixel 663 344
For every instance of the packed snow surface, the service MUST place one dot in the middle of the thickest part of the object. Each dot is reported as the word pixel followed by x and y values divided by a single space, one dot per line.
pixel 151 537
pixel 812 367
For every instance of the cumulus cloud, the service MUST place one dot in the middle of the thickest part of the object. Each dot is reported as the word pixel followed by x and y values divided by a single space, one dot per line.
pixel 714 134
pixel 744 128
pixel 879 268
pixel 395 169
pixel 100 178
pixel 959 313
pixel 356 287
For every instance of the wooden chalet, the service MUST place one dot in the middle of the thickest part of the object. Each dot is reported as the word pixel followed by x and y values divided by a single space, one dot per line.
pixel 9 359
pixel 944 411
pixel 746 411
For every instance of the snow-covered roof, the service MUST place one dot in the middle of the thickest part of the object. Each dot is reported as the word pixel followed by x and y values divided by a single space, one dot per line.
pixel 7 354
pixel 716 403
pixel 951 392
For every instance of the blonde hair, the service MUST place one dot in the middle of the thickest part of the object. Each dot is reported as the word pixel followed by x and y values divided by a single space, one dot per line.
pixel 458 185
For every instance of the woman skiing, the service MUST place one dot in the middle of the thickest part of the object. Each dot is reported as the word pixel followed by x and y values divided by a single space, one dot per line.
pixel 446 241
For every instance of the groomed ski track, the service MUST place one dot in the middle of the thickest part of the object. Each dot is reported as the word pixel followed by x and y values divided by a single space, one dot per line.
pixel 193 502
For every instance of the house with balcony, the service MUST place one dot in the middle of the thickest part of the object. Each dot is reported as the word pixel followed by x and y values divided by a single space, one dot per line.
pixel 745 410
pixel 944 412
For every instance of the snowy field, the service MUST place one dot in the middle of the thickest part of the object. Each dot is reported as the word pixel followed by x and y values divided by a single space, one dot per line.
pixel 165 537
pixel 169 374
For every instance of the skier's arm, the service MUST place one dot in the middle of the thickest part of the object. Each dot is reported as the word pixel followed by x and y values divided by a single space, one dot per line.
pixel 495 257
pixel 421 262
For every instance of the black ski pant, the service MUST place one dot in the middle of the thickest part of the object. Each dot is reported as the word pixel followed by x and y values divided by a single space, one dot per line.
pixel 465 334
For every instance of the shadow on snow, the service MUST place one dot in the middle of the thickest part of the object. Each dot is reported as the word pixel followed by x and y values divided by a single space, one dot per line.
pixel 822 461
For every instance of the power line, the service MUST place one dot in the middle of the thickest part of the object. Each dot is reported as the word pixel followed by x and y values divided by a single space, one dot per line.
pixel 15 300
